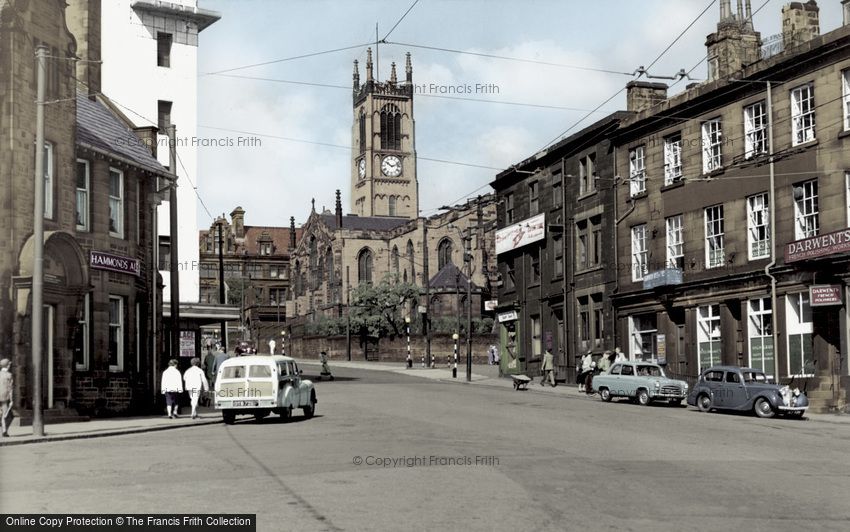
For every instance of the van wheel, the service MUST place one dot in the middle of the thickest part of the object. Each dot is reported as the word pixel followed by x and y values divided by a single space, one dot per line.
pixel 228 417
pixel 286 413
pixel 310 410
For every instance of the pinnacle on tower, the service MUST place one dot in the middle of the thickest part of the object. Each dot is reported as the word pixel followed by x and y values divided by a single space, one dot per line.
pixel 748 23
pixel 393 78
pixel 356 75
pixel 725 10
pixel 408 68
pixel 740 12
pixel 369 65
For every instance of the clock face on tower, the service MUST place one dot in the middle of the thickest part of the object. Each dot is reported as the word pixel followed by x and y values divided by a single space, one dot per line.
pixel 391 166
pixel 361 168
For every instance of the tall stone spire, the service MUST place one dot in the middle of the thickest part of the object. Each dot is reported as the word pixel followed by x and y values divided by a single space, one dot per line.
pixel 356 75
pixel 369 75
pixel 725 10
pixel 408 68
pixel 393 77
pixel 749 21
pixel 292 232
pixel 740 12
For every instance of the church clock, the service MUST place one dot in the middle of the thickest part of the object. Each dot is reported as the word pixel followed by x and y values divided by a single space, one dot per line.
pixel 391 166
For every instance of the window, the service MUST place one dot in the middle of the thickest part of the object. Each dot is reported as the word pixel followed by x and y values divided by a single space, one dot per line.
pixel 847 195
pixel 799 331
pixel 444 253
pixel 672 159
pixel 410 263
pixel 755 130
pixel 536 337
pixel 364 266
pixel 509 208
pixel 165 253
pixel 584 323
pixel 274 271
pixel 116 333
pixel 760 332
pixel 708 335
pixel 587 172
pixel 116 203
pixel 81 337
pixel 803 114
pixel 509 277
pixel 390 128
pixel 598 320
pixel 163 111
pixel 82 195
pixel 845 80
pixel 557 190
pixel 596 241
pixel 163 49
pixel 535 266
pixel 712 155
pixel 675 242
pixel 637 171
pixel 393 200
pixel 714 256
pixel 48 180
pixel 758 226
pixel 558 245
pixel 362 132
pixel 265 248
pixel 532 198
pixel 277 296
pixel 395 262
pixel 581 245
pixel 806 223
pixel 639 252
pixel 643 331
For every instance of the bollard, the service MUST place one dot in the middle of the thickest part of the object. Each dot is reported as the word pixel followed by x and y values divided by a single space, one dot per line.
pixel 455 336
pixel 409 358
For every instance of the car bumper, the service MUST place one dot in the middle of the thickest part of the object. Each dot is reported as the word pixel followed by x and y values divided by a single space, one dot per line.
pixel 246 404
pixel 792 409
pixel 679 396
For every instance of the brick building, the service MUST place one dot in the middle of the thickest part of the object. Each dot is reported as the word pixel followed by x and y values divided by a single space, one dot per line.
pixel 696 202
pixel 100 182
pixel 556 243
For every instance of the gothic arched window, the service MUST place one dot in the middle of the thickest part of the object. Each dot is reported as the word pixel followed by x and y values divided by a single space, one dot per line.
pixel 392 205
pixel 362 131
pixel 390 128
pixel 410 261
pixel 364 266
pixel 298 288
pixel 444 253
pixel 395 261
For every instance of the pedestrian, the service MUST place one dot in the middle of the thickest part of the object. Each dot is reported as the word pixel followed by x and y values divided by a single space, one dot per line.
pixel 584 369
pixel 209 366
pixel 272 345
pixel 548 368
pixel 172 387
pixel 619 356
pixel 196 383
pixel 491 355
pixel 5 396
pixel 605 362
pixel 220 357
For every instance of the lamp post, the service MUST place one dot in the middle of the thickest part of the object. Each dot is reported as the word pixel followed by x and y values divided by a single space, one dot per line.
pixel 455 337
pixel 407 330
pixel 283 343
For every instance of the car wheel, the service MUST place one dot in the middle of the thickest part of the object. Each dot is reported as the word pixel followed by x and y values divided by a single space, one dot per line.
pixel 228 417
pixel 763 408
pixel 704 403
pixel 675 402
pixel 605 394
pixel 643 398
pixel 286 413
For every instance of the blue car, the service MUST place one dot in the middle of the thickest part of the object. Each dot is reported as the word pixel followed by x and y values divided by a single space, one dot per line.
pixel 745 389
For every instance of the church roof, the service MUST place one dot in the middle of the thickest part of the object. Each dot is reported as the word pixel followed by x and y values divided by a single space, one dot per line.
pixel 450 277
pixel 364 223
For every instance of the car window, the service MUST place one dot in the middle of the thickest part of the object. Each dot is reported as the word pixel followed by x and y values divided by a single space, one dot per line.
pixel 259 371
pixel 754 376
pixel 628 370
pixel 714 376
pixel 615 370
pixel 649 371
pixel 289 370
pixel 233 372
pixel 281 369
pixel 732 376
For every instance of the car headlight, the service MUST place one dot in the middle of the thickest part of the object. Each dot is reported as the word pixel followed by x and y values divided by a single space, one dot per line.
pixel 685 387
pixel 657 384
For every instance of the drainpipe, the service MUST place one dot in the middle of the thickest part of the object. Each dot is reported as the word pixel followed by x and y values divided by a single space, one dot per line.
pixel 772 263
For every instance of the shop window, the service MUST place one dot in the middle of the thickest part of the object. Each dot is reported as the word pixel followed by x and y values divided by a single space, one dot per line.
pixel 643 331
pixel 115 350
pixel 708 336
pixel 798 324
pixel 536 337
pixel 758 226
pixel 760 332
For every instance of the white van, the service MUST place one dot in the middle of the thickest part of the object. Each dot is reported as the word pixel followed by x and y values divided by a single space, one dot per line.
pixel 261 384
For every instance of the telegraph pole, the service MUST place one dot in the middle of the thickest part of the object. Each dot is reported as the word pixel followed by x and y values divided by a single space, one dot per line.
pixel 174 279
pixel 221 281
pixel 38 249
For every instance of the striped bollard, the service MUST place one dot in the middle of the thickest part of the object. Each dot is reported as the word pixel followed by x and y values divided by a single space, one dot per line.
pixel 455 336
pixel 409 358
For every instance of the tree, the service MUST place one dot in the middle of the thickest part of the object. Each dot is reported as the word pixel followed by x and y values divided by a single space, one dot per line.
pixel 378 310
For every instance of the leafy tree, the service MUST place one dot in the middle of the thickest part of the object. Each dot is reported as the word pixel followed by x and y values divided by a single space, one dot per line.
pixel 378 310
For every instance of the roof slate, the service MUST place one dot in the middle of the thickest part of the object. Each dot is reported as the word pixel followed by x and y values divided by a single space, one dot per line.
pixel 450 277
pixel 364 223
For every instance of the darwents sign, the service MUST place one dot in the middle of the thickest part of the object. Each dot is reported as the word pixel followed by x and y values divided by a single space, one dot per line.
pixel 114 263
pixel 521 234
pixel 818 246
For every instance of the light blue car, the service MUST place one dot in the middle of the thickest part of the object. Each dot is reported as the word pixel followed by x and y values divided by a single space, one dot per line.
pixel 642 382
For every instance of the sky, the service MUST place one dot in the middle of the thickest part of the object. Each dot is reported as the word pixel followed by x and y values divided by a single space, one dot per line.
pixel 304 130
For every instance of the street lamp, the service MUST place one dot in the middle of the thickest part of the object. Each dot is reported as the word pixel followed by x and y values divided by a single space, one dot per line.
pixel 455 336
pixel 283 343
pixel 407 330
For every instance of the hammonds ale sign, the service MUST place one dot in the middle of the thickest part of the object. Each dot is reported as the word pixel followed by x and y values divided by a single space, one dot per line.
pixel 521 234
pixel 818 246
pixel 114 263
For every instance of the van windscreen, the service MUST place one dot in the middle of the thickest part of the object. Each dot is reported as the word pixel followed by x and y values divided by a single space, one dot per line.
pixel 233 372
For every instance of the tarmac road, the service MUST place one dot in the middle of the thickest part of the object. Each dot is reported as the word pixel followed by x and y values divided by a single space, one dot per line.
pixel 388 451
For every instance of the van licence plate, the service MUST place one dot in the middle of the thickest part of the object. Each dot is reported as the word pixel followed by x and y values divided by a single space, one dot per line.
pixel 246 403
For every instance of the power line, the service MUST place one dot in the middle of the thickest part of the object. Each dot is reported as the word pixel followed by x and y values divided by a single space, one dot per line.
pixel 293 58
pixel 399 20
pixel 681 34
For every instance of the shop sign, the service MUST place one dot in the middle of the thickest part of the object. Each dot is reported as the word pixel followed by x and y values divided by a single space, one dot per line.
pixel 818 246
pixel 521 234
pixel 824 295
pixel 491 305
pixel 666 277
pixel 114 263
pixel 187 344
pixel 508 316
pixel 661 348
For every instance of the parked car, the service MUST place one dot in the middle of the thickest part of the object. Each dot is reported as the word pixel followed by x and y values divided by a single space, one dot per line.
pixel 643 382
pixel 261 384
pixel 745 389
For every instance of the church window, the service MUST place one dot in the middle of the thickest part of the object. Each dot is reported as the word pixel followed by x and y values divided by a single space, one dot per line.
pixel 395 261
pixel 362 132
pixel 364 266
pixel 444 253
pixel 390 128
pixel 410 259
pixel 392 205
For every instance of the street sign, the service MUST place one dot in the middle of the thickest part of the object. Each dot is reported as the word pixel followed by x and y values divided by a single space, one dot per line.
pixel 824 295
pixel 666 277
pixel 818 246
pixel 491 305
pixel 507 316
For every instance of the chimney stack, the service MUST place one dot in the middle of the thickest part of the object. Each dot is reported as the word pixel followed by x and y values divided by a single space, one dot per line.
pixel 641 95
pixel 84 21
pixel 292 232
pixel 845 4
pixel 238 219
pixel 338 211
pixel 800 23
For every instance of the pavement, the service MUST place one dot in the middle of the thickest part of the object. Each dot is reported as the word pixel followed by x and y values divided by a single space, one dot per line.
pixel 482 375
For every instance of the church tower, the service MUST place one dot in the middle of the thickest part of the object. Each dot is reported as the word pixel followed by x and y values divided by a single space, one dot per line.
pixel 383 160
